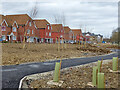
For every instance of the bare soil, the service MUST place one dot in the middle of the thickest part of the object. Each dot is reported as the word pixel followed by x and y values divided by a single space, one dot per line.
pixel 13 53
pixel 78 78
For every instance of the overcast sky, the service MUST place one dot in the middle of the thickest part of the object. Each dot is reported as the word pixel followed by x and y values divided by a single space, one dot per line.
pixel 97 17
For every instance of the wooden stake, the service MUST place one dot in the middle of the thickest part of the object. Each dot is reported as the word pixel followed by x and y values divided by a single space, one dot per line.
pixel 58 44
pixel 24 40
pixel 101 65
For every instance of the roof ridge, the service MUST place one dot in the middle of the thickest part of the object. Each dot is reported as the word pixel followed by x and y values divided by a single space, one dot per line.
pixel 17 14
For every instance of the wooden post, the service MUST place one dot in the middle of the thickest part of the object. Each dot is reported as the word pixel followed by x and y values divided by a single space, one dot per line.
pixel 85 43
pixel 56 40
pixel 101 65
pixel 24 40
pixel 62 44
pixel 56 72
pixel 58 44
pixel 65 45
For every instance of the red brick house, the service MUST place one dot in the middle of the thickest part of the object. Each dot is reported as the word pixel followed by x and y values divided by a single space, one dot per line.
pixel 68 34
pixel 15 27
pixel 77 35
pixel 43 31
pixel 57 32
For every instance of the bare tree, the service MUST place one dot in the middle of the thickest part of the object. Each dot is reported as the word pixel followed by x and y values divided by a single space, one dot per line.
pixel 114 37
pixel 34 11
pixel 33 14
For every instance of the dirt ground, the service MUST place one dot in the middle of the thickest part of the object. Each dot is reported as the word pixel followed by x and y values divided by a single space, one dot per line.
pixel 78 78
pixel 13 53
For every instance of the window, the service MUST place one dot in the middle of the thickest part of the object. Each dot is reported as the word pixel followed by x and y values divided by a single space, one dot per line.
pixel 31 39
pixel 41 39
pixel 14 37
pixel 3 28
pixel 32 31
pixel 48 27
pixel 29 23
pixel 46 33
pixel 3 37
pixel 28 31
pixel 51 27
pixel 50 34
pixel 14 29
pixel 61 36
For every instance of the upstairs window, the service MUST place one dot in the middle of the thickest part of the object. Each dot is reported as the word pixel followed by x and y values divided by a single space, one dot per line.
pixel 29 23
pixel 51 27
pixel 32 32
pixel 28 31
pixel 14 29
pixel 48 27
pixel 3 28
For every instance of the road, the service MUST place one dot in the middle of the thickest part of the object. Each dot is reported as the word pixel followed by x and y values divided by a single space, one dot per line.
pixel 11 75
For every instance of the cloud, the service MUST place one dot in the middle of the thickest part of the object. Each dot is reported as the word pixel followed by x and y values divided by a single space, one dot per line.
pixel 102 16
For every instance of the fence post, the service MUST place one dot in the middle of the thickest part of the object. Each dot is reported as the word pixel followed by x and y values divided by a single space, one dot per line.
pixel 56 72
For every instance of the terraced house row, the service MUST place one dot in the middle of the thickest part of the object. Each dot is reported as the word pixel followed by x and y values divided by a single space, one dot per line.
pixel 14 28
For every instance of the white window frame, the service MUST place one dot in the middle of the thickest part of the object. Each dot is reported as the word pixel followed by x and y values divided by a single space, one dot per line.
pixel 4 37
pixel 28 32
pixel 49 33
pixel 42 40
pixel 14 37
pixel 30 24
pixel 4 29
pixel 14 29
pixel 32 32
pixel 48 27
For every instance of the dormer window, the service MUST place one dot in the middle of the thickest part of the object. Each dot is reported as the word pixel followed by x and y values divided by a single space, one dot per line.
pixel 29 23
pixel 14 29
pixel 3 28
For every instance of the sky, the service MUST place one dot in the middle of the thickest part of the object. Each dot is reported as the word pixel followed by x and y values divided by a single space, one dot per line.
pixel 95 16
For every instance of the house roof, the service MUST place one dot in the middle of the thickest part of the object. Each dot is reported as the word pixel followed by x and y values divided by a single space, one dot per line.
pixel 66 29
pixel 1 18
pixel 56 27
pixel 41 23
pixel 77 31
pixel 21 19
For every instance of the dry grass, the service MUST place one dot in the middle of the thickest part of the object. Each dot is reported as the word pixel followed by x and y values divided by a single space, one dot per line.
pixel 13 53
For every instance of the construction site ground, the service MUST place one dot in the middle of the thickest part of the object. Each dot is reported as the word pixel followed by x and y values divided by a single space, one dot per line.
pixel 78 77
pixel 13 53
